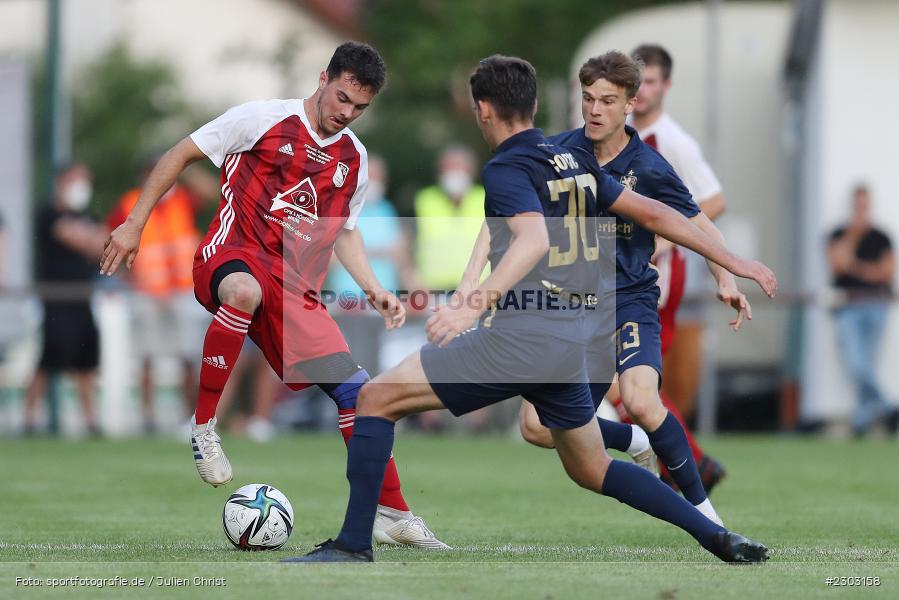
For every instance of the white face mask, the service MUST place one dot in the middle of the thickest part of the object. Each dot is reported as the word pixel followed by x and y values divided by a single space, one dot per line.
pixel 78 195
pixel 455 182
pixel 375 192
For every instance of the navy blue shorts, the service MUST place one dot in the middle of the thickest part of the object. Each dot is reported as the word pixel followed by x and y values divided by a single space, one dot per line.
pixel 638 331
pixel 485 366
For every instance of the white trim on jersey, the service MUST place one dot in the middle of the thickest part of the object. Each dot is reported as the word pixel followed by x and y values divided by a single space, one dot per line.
pixel 226 215
pixel 239 128
pixel 358 199
pixel 326 142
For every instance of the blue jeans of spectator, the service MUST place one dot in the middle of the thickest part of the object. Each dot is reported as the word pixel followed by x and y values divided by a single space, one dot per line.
pixel 860 327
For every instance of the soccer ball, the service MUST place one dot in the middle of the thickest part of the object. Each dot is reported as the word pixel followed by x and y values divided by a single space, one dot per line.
pixel 257 517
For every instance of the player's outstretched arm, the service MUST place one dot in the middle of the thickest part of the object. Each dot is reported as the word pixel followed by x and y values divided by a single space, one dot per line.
pixel 123 242
pixel 529 245
pixel 670 224
pixel 350 251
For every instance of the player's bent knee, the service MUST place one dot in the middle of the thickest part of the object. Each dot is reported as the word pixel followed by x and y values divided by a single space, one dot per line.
pixel 241 291
pixel 368 401
pixel 589 477
pixel 377 400
pixel 641 399
pixel 647 412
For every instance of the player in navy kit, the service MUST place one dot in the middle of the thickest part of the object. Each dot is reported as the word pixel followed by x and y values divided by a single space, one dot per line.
pixel 609 85
pixel 517 349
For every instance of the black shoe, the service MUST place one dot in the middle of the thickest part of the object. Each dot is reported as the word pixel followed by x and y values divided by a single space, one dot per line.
pixel 733 547
pixel 711 472
pixel 329 551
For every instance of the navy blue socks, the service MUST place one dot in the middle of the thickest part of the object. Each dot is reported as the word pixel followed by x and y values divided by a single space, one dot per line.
pixel 669 442
pixel 640 489
pixel 615 435
pixel 367 455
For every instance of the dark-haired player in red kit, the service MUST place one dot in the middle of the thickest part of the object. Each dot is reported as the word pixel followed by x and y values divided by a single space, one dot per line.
pixel 293 181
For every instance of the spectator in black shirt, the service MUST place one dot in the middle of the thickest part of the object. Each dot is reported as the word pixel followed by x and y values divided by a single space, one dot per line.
pixel 863 264
pixel 69 244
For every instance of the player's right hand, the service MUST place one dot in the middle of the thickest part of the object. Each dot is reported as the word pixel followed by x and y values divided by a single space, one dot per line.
pixel 758 272
pixel 389 306
pixel 122 244
pixel 449 320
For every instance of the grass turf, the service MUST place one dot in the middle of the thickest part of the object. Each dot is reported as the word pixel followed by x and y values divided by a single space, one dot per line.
pixel 136 509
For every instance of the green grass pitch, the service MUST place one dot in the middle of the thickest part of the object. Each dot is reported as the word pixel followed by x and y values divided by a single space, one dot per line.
pixel 520 529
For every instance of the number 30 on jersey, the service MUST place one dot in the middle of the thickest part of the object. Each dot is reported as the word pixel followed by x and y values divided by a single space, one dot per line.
pixel 576 220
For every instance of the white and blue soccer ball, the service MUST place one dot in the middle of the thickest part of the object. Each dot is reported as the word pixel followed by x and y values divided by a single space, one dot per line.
pixel 258 517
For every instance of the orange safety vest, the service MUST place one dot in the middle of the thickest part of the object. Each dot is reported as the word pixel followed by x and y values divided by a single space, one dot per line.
pixel 164 264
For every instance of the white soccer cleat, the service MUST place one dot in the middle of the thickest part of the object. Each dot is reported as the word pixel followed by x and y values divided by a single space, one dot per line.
pixel 402 528
pixel 212 464
pixel 648 460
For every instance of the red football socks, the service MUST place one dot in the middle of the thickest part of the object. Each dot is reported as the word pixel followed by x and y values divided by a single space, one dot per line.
pixel 222 345
pixel 391 495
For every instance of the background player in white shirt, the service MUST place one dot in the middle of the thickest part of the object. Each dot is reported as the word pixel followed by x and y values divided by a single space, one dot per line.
pixel 658 129
pixel 681 272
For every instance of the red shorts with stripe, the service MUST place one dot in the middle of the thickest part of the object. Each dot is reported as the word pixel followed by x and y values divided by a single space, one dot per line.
pixel 289 327
pixel 672 267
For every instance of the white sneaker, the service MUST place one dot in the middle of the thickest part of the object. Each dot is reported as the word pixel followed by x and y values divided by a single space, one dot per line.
pixel 402 528
pixel 212 464
pixel 648 460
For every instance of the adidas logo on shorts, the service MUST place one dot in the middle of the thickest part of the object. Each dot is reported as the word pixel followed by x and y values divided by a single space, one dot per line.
pixel 216 361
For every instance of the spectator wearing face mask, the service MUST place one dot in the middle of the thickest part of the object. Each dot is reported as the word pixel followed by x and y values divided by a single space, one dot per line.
pixel 69 244
pixel 448 219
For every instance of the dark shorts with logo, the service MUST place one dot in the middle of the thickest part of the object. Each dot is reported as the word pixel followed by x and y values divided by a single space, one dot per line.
pixel 486 365
pixel 638 331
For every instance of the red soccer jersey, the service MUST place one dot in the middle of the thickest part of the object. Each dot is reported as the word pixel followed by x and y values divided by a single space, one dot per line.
pixel 286 193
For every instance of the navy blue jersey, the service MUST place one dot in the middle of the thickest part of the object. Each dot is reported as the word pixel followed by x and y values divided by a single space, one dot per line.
pixel 529 174
pixel 642 169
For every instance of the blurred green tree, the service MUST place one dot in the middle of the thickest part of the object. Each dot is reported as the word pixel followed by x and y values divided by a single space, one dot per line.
pixel 431 46
pixel 124 110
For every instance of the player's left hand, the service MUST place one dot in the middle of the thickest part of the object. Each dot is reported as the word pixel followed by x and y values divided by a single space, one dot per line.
pixel 449 320
pixel 733 297
pixel 758 272
pixel 389 306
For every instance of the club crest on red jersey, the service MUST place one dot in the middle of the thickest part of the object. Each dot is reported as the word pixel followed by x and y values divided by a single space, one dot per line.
pixel 340 174
pixel 302 197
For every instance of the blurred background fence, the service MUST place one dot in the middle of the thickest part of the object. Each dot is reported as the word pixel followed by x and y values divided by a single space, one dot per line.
pixel 791 101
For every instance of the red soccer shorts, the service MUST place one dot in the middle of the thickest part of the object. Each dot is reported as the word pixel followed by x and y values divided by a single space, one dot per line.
pixel 672 274
pixel 289 327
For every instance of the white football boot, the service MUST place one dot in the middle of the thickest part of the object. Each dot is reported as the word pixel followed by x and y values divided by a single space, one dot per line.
pixel 212 464
pixel 648 460
pixel 402 528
